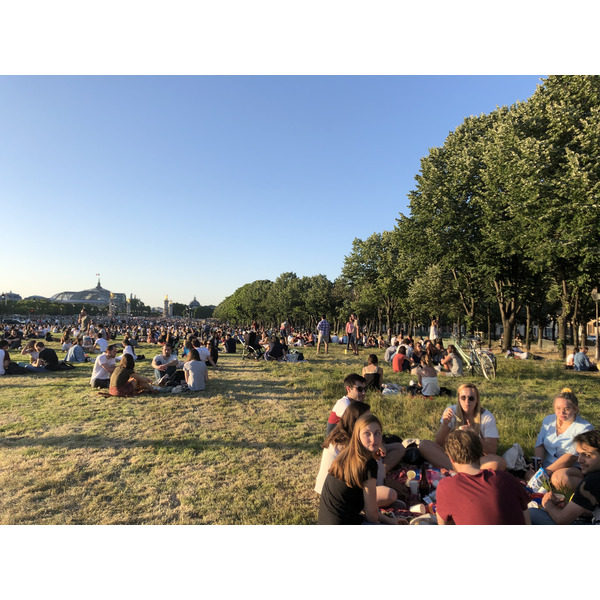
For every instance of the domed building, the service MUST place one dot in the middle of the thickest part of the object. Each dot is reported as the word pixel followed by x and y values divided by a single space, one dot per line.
pixel 194 303
pixel 98 296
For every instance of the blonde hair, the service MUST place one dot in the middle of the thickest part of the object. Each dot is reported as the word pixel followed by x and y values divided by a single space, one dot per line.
pixel 461 417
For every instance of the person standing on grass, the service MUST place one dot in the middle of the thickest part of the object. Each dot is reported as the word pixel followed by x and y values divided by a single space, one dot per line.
pixel 195 372
pixel 351 335
pixel 356 387
pixel 104 366
pixel 477 496
pixel 323 327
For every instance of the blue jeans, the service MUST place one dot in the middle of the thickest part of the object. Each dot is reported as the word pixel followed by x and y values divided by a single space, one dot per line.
pixel 33 369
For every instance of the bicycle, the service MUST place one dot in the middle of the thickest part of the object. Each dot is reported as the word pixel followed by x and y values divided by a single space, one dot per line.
pixel 476 360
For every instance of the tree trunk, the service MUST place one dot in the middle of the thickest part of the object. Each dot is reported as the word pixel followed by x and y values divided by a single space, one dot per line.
pixel 540 336
pixel 528 329
pixel 489 328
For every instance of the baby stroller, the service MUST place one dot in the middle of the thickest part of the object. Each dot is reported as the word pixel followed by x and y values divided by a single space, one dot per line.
pixel 251 347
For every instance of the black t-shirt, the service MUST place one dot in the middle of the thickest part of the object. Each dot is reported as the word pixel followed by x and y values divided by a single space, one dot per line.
pixel 587 494
pixel 50 358
pixel 276 349
pixel 340 504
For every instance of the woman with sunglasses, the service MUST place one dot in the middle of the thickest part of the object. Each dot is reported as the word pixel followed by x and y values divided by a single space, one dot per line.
pixel 351 483
pixel 469 414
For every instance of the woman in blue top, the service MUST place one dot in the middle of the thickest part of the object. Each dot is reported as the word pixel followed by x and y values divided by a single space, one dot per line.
pixel 554 444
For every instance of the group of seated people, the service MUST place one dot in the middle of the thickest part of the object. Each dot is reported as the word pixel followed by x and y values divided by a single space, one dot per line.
pixel 121 379
pixel 578 360
pixel 354 476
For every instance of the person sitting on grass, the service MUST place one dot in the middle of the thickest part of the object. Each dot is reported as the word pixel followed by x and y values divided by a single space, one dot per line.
pixel 277 350
pixel 340 437
pixel 104 366
pixel 356 387
pixel 469 414
pixel 581 362
pixel 586 499
pixel 164 364
pixel 555 443
pixel 195 372
pixel 452 363
pixel 76 353
pixel 124 381
pixel 47 360
pixel 428 381
pixel 373 373
pixel 399 362
pixel 477 496
pixel 29 348
pixel 351 483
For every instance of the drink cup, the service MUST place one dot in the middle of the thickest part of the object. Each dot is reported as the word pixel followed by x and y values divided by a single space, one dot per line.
pixel 414 486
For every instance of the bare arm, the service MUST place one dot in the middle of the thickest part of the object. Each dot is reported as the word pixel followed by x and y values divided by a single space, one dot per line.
pixel 444 428
pixel 564 462
pixel 490 445
pixel 564 515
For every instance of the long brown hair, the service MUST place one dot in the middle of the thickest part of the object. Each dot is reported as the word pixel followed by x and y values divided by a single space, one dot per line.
pixel 342 432
pixel 350 466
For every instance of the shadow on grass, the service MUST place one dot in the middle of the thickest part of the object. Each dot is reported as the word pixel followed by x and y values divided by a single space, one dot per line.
pixel 98 442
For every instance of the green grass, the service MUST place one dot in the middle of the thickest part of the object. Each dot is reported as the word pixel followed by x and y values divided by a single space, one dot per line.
pixel 245 451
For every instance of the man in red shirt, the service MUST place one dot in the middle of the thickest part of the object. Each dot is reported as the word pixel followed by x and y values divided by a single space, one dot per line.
pixel 475 496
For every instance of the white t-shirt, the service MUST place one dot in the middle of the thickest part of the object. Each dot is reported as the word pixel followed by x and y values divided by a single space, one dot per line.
pixel 98 372
pixel 488 423
pixel 196 370
pixel 204 353
pixel 102 344
pixel 2 354
pixel 340 406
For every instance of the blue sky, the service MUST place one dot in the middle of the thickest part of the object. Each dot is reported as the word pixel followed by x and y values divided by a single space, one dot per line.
pixel 194 185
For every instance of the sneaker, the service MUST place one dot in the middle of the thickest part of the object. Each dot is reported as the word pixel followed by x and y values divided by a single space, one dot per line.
pixel 162 381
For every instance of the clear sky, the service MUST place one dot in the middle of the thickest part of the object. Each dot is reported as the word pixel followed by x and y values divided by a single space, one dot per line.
pixel 194 185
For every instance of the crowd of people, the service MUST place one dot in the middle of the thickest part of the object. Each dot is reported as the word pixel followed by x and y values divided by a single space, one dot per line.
pixel 354 483
pixel 355 476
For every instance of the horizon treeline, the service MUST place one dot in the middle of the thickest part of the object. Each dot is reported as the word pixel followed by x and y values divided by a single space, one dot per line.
pixel 504 226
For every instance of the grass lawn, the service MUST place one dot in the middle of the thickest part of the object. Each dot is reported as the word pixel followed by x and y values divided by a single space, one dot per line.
pixel 245 451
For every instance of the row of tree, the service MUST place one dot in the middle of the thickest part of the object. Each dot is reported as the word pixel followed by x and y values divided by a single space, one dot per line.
pixel 504 221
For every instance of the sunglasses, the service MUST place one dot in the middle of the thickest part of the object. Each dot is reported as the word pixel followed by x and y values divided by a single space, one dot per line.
pixel 468 397
pixel 360 388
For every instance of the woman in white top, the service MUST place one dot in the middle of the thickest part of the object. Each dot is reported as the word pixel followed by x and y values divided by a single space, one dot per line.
pixel 128 349
pixel 469 414
pixel 554 444
pixel 427 375
pixel 195 372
